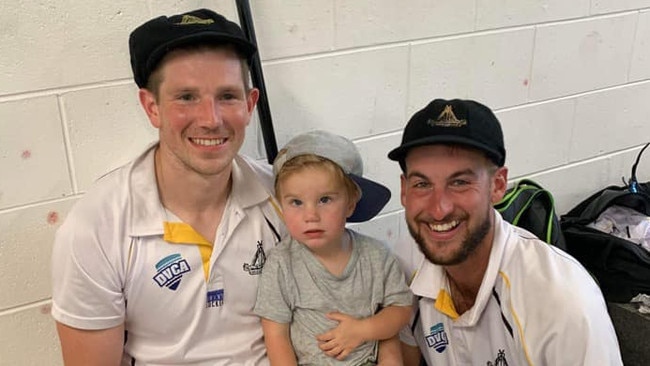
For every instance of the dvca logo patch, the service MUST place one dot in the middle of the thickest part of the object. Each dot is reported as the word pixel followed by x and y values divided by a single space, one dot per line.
pixel 437 338
pixel 170 271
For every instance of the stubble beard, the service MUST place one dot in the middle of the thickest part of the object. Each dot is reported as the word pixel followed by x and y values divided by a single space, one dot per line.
pixel 467 247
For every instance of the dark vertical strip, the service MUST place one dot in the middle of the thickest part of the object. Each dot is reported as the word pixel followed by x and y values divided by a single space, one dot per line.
pixel 416 319
pixel 275 231
pixel 503 317
pixel 266 123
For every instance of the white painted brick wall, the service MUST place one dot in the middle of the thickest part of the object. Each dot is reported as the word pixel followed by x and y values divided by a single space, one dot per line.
pixel 570 81
pixel 503 13
pixel 610 6
pixel 363 23
pixel 32 152
pixel 537 137
pixel 583 55
pixel 358 97
pixel 640 67
pixel 107 127
pixel 611 120
pixel 493 68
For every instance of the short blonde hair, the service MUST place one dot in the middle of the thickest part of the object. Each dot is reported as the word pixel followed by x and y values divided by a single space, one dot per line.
pixel 302 162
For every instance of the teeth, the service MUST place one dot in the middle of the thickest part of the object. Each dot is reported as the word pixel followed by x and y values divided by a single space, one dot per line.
pixel 444 227
pixel 208 142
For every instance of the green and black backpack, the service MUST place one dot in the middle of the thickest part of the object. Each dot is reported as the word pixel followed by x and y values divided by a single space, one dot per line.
pixel 532 207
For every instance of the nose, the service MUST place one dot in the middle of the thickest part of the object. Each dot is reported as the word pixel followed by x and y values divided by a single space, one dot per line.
pixel 311 213
pixel 440 204
pixel 210 115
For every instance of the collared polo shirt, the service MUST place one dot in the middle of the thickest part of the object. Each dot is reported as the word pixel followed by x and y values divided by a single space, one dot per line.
pixel 121 257
pixel 536 306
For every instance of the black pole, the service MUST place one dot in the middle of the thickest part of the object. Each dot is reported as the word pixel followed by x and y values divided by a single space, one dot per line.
pixel 266 122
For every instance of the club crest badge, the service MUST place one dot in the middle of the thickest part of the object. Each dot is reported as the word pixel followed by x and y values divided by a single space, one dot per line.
pixel 437 338
pixel 500 361
pixel 170 270
pixel 257 263
pixel 447 118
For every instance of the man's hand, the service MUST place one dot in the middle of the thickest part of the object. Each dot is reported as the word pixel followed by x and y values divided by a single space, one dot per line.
pixel 344 338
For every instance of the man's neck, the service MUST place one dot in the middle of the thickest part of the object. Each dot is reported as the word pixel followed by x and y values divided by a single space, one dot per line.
pixel 465 278
pixel 196 199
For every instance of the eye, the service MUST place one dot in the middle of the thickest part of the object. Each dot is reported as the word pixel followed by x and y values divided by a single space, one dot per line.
pixel 231 95
pixel 459 183
pixel 295 202
pixel 228 96
pixel 187 97
pixel 325 199
pixel 421 184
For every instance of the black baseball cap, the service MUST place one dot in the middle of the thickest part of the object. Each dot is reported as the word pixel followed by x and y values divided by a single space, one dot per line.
pixel 456 121
pixel 151 41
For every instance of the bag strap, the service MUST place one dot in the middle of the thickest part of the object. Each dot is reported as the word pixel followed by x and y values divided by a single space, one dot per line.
pixel 634 184
pixel 520 185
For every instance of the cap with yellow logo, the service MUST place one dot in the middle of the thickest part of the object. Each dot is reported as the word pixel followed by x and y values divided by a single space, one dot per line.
pixel 151 41
pixel 457 121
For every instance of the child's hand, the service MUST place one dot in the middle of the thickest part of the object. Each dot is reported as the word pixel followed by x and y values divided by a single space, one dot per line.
pixel 340 341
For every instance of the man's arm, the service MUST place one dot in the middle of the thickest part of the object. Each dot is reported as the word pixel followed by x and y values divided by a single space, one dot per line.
pixel 390 353
pixel 278 343
pixel 351 332
pixel 410 355
pixel 91 347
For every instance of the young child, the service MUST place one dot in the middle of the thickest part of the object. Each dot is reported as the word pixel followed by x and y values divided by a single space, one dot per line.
pixel 328 294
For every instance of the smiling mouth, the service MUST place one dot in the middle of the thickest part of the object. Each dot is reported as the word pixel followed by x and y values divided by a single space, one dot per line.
pixel 441 228
pixel 208 142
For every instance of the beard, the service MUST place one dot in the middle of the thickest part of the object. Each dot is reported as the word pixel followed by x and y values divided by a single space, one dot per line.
pixel 474 237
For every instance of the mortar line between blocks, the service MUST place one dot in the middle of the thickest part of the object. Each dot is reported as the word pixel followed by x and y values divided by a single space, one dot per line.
pixel 23 307
pixel 72 174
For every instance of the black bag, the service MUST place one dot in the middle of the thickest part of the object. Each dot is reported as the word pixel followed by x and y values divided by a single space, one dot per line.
pixel 621 267
pixel 531 207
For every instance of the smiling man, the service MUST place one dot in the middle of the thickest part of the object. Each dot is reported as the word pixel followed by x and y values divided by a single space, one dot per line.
pixel 488 293
pixel 159 262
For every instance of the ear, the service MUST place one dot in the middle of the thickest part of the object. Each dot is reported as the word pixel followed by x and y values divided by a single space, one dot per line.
pixel 499 184
pixel 251 100
pixel 150 106
pixel 402 196
pixel 352 203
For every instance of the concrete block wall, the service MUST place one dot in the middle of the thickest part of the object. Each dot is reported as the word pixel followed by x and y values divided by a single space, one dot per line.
pixel 570 81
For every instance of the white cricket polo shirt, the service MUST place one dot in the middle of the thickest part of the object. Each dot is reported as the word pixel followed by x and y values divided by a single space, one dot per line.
pixel 121 257
pixel 536 306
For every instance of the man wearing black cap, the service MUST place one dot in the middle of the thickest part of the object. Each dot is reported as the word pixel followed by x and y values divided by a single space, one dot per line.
pixel 488 293
pixel 158 263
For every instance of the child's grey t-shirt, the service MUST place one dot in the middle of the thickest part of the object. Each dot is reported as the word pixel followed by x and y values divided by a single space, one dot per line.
pixel 296 288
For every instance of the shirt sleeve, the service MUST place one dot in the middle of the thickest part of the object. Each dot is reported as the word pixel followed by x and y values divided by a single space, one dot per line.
pixel 584 334
pixel 408 255
pixel 406 335
pixel 273 301
pixel 86 285
pixel 396 292
pixel 563 315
